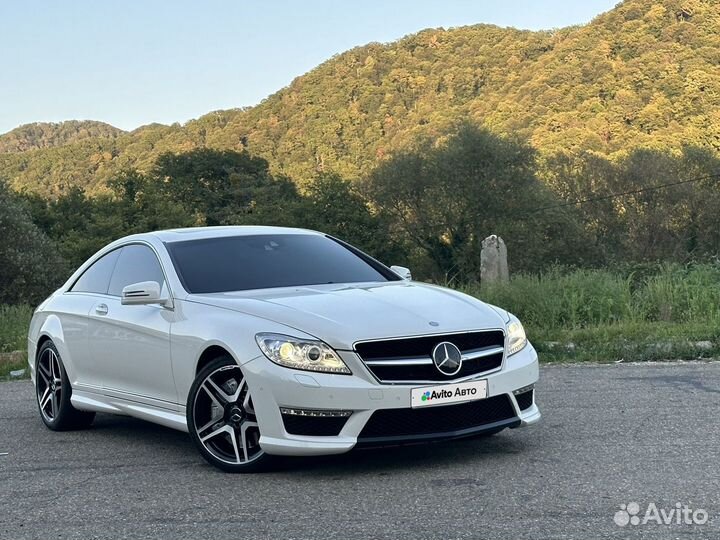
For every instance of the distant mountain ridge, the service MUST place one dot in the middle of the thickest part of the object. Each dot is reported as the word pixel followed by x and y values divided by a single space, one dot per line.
pixel 646 73
pixel 50 134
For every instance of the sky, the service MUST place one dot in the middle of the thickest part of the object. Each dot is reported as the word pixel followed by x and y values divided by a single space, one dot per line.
pixel 135 62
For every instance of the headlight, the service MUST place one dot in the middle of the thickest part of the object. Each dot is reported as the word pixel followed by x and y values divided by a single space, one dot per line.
pixel 516 335
pixel 296 353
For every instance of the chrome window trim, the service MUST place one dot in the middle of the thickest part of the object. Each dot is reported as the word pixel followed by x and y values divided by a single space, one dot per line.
pixel 104 253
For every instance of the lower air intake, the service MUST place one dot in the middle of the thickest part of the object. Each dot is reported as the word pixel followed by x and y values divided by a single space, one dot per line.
pixel 439 421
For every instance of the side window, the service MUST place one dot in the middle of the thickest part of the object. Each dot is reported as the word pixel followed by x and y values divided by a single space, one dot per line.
pixel 136 263
pixel 96 279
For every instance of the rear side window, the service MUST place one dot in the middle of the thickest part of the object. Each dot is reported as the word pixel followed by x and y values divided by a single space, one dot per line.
pixel 136 263
pixel 96 279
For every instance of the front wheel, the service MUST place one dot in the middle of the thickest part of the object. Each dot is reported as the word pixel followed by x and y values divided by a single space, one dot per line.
pixel 221 418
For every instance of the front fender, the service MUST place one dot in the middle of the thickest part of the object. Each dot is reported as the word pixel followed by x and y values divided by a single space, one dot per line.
pixel 198 327
pixel 44 326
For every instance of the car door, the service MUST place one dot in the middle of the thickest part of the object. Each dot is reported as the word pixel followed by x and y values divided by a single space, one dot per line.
pixel 75 304
pixel 132 342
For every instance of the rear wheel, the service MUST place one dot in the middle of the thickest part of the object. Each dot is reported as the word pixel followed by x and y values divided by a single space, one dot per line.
pixel 53 392
pixel 222 421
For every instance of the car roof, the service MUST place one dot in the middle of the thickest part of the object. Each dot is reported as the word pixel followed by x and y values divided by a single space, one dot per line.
pixel 196 233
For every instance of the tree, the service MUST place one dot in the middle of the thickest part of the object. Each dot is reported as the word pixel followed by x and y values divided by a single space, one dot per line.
pixel 448 197
pixel 669 210
pixel 80 225
pixel 333 205
pixel 226 187
pixel 30 266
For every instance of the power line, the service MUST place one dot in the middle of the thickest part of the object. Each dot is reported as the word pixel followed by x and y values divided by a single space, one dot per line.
pixel 714 176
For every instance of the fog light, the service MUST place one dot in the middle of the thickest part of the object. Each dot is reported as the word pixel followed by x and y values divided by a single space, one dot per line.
pixel 523 389
pixel 315 412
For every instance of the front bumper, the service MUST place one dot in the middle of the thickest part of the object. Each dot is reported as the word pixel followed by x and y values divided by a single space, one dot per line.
pixel 274 387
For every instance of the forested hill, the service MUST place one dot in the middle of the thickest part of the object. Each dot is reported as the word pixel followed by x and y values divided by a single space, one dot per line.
pixel 48 134
pixel 646 73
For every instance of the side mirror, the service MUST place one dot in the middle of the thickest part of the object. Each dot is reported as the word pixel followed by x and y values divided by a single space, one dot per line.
pixel 145 292
pixel 402 272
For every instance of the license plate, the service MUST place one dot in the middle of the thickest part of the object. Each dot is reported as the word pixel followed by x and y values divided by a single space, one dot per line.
pixel 448 393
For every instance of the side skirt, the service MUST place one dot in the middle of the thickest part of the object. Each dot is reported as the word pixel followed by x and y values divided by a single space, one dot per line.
pixel 91 401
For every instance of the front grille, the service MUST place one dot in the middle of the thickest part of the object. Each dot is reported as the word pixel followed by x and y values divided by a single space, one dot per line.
pixel 525 400
pixel 438 420
pixel 410 360
pixel 322 426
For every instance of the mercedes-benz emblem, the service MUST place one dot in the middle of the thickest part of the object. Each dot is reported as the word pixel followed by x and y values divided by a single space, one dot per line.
pixel 447 358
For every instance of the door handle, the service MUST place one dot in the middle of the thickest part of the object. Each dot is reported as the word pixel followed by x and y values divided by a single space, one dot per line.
pixel 101 309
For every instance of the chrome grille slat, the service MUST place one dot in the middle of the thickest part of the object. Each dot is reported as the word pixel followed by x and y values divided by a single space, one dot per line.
pixel 408 360
pixel 482 353
pixel 469 355
pixel 400 362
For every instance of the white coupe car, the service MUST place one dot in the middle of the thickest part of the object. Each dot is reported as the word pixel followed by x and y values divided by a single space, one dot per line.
pixel 263 341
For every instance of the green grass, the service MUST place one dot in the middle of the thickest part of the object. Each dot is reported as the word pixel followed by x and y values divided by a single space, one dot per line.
pixel 648 313
pixel 667 312
pixel 14 321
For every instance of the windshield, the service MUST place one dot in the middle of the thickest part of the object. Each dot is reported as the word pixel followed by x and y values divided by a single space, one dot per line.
pixel 238 263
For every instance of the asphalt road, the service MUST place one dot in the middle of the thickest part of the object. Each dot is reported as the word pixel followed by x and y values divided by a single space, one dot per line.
pixel 610 435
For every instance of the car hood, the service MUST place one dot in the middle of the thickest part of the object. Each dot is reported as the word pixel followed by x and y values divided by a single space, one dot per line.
pixel 340 315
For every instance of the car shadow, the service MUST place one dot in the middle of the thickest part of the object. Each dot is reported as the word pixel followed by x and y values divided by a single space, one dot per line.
pixel 140 435
pixel 396 459
pixel 177 447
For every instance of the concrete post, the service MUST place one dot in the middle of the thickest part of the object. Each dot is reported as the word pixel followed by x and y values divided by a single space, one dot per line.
pixel 493 260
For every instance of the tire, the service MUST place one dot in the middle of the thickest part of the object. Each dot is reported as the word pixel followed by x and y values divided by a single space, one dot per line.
pixel 221 419
pixel 53 392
